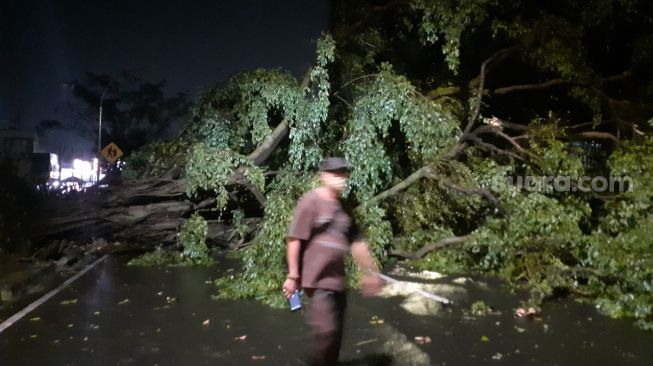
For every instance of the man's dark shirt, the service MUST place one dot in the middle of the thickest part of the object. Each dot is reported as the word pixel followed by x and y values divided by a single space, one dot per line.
pixel 326 230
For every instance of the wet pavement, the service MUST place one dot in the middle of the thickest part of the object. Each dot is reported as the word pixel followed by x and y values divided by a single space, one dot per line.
pixel 120 315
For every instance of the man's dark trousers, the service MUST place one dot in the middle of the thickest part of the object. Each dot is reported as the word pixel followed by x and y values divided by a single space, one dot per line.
pixel 325 315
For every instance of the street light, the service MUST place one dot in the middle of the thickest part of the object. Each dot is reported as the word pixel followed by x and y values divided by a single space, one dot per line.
pixel 99 134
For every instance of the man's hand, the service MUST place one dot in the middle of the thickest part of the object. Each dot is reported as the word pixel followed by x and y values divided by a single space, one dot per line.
pixel 371 285
pixel 292 256
pixel 289 286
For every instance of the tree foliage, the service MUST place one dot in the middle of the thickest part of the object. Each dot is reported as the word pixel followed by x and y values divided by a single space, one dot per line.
pixel 192 239
pixel 438 106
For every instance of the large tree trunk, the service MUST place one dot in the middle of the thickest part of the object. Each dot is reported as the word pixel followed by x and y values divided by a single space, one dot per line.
pixel 146 213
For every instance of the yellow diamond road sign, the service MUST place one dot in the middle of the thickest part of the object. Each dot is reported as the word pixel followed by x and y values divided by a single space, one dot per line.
pixel 111 153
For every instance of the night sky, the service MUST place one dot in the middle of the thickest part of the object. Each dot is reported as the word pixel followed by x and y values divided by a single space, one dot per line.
pixel 191 44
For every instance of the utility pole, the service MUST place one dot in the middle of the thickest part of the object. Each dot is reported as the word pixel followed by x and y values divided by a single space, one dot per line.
pixel 99 134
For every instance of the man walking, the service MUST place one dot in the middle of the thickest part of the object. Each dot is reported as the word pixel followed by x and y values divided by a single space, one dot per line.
pixel 322 232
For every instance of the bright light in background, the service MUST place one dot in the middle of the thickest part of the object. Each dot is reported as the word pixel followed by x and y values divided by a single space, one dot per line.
pixel 81 175
pixel 54 166
pixel 94 168
pixel 82 169
pixel 66 173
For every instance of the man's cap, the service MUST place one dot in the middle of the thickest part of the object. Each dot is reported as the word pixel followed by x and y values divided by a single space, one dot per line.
pixel 335 164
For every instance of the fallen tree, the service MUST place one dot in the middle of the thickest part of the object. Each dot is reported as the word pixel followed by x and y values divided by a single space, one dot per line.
pixel 148 210
pixel 437 147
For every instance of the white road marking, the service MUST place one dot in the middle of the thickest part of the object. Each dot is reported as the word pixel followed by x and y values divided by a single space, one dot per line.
pixel 16 317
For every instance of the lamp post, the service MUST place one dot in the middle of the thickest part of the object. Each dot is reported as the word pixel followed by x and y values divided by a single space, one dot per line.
pixel 99 134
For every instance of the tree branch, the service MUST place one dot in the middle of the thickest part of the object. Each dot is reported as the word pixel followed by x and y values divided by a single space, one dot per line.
pixel 590 135
pixel 238 177
pixel 355 80
pixel 555 82
pixel 497 128
pixel 473 191
pixel 510 125
pixel 417 175
pixel 481 85
pixel 456 150
pixel 495 149
pixel 265 149
pixel 427 172
pixel 443 92
pixel 343 100
pixel 544 85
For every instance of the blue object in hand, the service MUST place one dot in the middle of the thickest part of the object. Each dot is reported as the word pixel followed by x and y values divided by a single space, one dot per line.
pixel 295 301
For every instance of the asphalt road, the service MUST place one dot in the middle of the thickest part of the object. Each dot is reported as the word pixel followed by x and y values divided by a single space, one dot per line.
pixel 121 315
